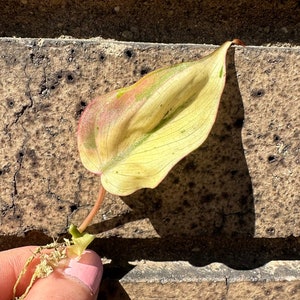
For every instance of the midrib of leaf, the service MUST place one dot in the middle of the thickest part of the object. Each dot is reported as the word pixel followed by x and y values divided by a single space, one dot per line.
pixel 162 123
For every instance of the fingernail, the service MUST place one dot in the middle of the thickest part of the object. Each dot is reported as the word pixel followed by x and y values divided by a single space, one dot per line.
pixel 88 269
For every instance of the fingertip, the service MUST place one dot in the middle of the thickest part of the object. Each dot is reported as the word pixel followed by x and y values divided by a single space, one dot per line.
pixel 76 279
pixel 79 280
pixel 88 269
pixel 11 264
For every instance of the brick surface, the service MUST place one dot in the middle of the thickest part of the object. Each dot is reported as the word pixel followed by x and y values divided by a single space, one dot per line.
pixel 242 182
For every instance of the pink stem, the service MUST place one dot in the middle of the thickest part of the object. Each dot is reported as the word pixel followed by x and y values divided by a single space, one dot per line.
pixel 94 210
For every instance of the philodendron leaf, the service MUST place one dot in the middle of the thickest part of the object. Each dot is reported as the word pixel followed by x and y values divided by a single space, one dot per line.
pixel 133 136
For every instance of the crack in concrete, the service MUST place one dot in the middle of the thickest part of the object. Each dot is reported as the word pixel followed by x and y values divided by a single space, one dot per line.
pixel 21 154
pixel 227 287
pixel 24 108
pixel 28 93
pixel 15 188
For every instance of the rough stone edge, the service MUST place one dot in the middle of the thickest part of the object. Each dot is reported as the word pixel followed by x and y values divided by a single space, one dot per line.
pixel 96 40
pixel 180 271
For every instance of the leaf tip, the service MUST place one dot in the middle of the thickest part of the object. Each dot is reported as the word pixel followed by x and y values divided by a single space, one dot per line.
pixel 238 42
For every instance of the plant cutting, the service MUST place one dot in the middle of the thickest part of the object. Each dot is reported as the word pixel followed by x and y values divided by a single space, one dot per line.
pixel 132 137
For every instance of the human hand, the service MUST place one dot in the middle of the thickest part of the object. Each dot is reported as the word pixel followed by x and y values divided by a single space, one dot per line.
pixel 78 281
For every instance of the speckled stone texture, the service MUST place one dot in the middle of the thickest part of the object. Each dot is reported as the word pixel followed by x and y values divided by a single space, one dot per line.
pixel 207 291
pixel 242 182
pixel 235 199
pixel 204 290
pixel 179 280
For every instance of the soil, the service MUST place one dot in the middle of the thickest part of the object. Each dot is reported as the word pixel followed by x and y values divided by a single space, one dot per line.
pixel 255 22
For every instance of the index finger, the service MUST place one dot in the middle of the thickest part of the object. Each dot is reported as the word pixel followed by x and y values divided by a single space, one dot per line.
pixel 11 264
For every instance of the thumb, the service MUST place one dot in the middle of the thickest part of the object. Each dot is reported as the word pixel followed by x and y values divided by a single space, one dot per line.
pixel 78 281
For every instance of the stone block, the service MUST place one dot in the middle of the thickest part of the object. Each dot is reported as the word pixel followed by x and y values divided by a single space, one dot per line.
pixel 179 280
pixel 242 182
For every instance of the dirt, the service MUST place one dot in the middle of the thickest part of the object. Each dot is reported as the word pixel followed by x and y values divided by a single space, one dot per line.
pixel 255 22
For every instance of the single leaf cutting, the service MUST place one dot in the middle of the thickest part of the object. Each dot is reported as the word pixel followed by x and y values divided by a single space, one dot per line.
pixel 133 136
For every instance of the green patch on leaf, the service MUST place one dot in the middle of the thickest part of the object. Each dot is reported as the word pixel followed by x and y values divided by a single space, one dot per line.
pixel 79 242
